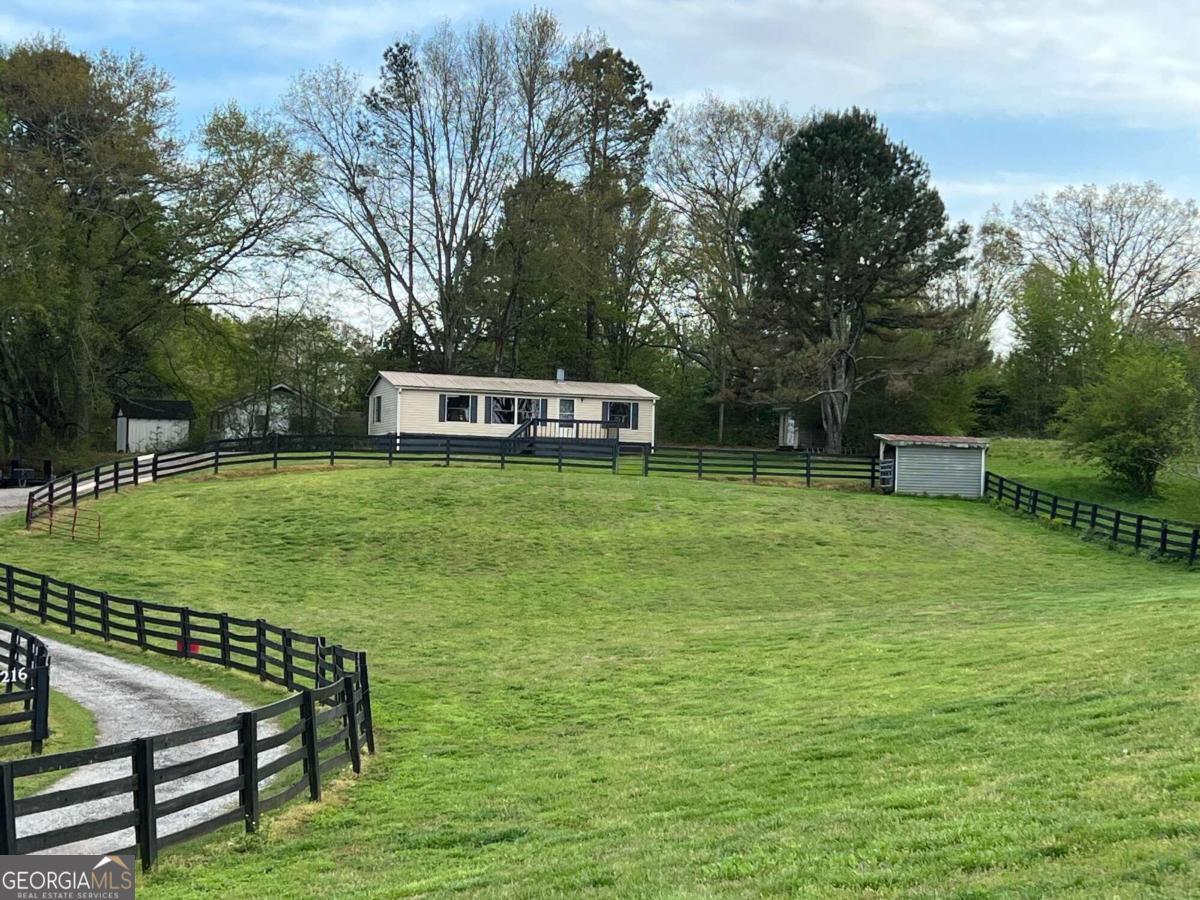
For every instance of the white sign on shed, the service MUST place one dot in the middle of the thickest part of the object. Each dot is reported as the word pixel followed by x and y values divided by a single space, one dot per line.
pixel 933 464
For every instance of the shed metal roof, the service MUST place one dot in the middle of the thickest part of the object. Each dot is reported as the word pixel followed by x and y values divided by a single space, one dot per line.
pixel 932 440
pixel 425 381
pixel 146 408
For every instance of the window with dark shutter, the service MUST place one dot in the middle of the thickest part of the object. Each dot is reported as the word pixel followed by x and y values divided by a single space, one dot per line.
pixel 441 407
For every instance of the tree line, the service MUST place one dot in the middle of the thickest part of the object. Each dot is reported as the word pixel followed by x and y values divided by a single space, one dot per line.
pixel 508 199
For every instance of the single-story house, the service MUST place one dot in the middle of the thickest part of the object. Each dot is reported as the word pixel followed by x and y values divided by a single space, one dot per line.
pixel 145 424
pixel 280 409
pixel 798 433
pixel 417 403
pixel 933 464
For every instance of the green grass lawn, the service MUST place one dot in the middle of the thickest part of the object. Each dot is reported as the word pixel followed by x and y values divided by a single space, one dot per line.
pixel 1043 464
pixel 71 728
pixel 629 687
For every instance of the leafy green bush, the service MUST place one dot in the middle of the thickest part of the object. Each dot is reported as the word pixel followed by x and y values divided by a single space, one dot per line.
pixel 1134 417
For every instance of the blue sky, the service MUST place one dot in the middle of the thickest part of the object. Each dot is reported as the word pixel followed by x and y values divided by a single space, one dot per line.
pixel 1004 98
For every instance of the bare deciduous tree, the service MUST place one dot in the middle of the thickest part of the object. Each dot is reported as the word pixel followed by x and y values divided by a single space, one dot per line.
pixel 1144 244
pixel 706 167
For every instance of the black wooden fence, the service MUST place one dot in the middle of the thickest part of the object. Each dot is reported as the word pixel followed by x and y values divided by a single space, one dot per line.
pixel 265 756
pixel 69 489
pixel 1119 526
pixel 24 688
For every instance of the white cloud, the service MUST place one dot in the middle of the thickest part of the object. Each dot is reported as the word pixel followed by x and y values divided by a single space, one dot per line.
pixel 1136 61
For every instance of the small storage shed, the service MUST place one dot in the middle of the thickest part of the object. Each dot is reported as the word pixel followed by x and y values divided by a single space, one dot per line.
pixel 151 424
pixel 933 464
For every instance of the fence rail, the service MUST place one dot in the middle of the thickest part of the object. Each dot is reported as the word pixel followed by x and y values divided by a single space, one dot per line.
pixel 1121 527
pixel 321 729
pixel 67 490
pixel 24 688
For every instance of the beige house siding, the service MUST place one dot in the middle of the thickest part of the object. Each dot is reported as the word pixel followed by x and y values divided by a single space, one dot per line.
pixel 419 414
pixel 389 421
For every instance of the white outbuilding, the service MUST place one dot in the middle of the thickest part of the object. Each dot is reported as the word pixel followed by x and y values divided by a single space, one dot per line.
pixel 144 425
pixel 932 464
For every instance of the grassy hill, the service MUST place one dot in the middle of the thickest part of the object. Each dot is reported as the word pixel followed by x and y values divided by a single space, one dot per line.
pixel 1043 464
pixel 587 683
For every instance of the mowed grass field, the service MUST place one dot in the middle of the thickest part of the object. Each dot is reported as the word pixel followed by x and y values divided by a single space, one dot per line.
pixel 599 685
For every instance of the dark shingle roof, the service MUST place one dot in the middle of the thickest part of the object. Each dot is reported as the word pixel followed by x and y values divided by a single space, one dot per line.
pixel 134 408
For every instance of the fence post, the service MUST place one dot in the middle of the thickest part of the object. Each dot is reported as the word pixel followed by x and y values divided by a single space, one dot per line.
pixel 260 648
pixel 143 801
pixel 616 462
pixel 875 464
pixel 364 684
pixel 1075 515
pixel 332 450
pixel 217 459
pixel 43 591
pixel 285 641
pixel 1053 506
pixel 41 706
pixel 503 446
pixel 646 459
pixel 1137 533
pixel 71 606
pixel 96 482
pixel 224 628
pixel 8 811
pixel 392 447
pixel 560 455
pixel 139 621
pixel 1162 538
pixel 352 735
pixel 135 471
pixel 185 630
pixel 10 591
pixel 1034 495
pixel 104 615
pixel 248 768
pixel 1092 521
pixel 312 759
pixel 1116 532
pixel 447 440
pixel 808 468
pixel 275 451
pixel 754 466
pixel 116 476
pixel 1195 546
pixel 700 462
pixel 1017 496
pixel 74 488
pixel 29 511
pixel 154 467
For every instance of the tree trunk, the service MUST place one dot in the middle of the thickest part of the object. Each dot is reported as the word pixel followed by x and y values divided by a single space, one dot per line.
pixel 838 377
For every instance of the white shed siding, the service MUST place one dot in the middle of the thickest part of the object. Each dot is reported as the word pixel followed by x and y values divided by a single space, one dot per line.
pixel 942 471
pixel 419 415
pixel 138 435
pixel 389 421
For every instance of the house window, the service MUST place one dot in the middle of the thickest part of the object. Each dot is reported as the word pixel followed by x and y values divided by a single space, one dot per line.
pixel 621 413
pixel 504 410
pixel 377 408
pixel 458 407
pixel 566 408
pixel 528 408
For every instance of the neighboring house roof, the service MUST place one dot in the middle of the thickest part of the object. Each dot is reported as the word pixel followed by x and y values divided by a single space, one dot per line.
pixel 604 389
pixel 932 440
pixel 275 388
pixel 146 408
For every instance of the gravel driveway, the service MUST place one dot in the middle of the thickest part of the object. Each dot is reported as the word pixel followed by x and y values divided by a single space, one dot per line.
pixel 128 701
pixel 12 500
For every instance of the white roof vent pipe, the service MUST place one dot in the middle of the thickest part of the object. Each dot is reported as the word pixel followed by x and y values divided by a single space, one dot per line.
pixel 560 375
